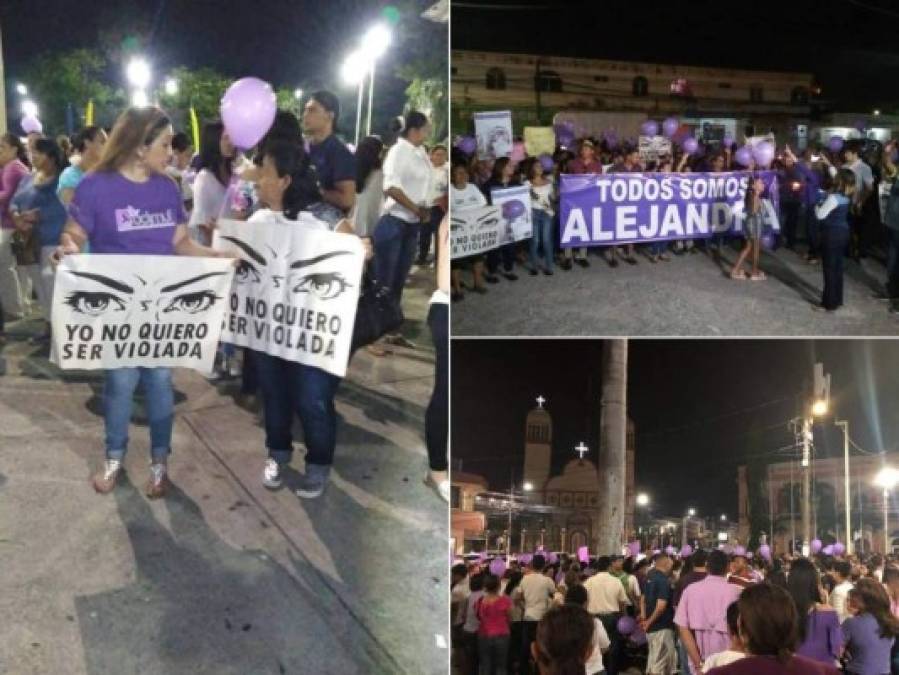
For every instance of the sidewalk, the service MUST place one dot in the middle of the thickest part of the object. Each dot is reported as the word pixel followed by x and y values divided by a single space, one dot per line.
pixel 223 576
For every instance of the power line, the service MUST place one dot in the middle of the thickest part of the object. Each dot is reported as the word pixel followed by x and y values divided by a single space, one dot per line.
pixel 879 10
pixel 704 421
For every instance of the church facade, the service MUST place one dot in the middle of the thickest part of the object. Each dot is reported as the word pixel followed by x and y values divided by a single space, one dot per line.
pixel 572 496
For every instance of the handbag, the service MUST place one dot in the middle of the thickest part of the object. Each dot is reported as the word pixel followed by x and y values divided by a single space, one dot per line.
pixel 25 247
pixel 377 313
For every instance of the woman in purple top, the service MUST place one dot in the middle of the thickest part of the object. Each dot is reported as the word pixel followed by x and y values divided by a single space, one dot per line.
pixel 820 637
pixel 14 166
pixel 870 632
pixel 127 205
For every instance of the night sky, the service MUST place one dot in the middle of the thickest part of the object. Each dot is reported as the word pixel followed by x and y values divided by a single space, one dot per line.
pixel 286 42
pixel 699 406
pixel 847 44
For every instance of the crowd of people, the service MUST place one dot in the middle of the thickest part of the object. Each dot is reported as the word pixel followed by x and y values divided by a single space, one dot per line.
pixel 829 209
pixel 56 201
pixel 709 612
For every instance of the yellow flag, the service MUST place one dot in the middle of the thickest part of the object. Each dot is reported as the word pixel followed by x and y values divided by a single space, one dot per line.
pixel 89 113
pixel 195 128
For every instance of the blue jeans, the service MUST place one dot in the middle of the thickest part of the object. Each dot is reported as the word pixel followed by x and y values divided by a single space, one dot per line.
pixel 892 264
pixel 394 241
pixel 833 249
pixel 118 394
pixel 289 387
pixel 658 247
pixel 543 234
pixel 427 232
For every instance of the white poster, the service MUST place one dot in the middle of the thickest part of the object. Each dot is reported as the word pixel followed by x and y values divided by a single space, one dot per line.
pixel 295 290
pixel 474 231
pixel 116 311
pixel 515 211
pixel 494 133
pixel 652 147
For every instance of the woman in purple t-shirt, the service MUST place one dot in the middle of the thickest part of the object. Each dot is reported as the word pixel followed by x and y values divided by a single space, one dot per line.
pixel 111 209
pixel 820 637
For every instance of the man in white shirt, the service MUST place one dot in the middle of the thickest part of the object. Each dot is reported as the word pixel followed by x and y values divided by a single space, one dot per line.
pixel 608 601
pixel 841 572
pixel 535 594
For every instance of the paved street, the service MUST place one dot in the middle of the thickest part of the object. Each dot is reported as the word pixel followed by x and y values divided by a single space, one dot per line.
pixel 691 296
pixel 223 576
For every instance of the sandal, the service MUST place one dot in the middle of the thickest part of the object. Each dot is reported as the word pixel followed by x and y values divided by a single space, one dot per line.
pixel 758 276
pixel 738 275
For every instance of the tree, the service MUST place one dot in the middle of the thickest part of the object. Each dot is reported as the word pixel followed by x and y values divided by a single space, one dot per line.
pixel 202 88
pixel 58 80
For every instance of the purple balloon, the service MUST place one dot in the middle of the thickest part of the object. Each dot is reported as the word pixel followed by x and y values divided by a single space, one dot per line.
pixel 553 558
pixel 583 554
pixel 763 153
pixel 31 124
pixel 649 128
pixel 468 144
pixel 610 136
pixel 626 625
pixel 513 209
pixel 815 545
pixel 743 156
pixel 860 124
pixel 828 550
pixel 686 551
pixel 838 548
pixel 690 145
pixel 670 550
pixel 638 637
pixel 728 141
pixel 765 551
pixel 248 110
pixel 546 161
pixel 669 127
pixel 565 139
pixel 739 550
pixel 835 144
pixel 497 567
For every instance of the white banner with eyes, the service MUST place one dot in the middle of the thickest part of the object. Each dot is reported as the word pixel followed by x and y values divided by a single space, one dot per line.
pixel 295 290
pixel 476 230
pixel 117 311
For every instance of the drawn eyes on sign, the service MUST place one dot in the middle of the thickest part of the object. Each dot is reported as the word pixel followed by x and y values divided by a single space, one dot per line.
pixel 94 303
pixel 324 285
pixel 247 273
pixel 456 224
pixel 192 303
pixel 489 222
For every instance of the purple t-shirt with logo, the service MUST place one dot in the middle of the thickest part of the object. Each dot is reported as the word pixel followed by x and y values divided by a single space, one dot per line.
pixel 121 216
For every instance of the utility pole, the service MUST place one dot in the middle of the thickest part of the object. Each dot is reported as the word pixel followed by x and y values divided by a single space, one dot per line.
pixel 844 424
pixel 613 453
pixel 806 484
pixel 2 88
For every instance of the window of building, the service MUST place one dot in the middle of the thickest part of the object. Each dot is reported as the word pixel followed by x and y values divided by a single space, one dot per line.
pixel 756 94
pixel 640 86
pixel 455 496
pixel 548 80
pixel 496 78
pixel 454 70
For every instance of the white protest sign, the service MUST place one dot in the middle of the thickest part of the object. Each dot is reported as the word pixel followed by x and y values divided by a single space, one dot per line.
pixel 117 311
pixel 652 147
pixel 515 210
pixel 474 231
pixel 295 291
pixel 494 133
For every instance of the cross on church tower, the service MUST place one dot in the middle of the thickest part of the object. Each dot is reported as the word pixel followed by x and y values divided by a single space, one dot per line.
pixel 540 401
pixel 582 450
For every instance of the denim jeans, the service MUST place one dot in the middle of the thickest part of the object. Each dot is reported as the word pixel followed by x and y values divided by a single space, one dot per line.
pixel 543 234
pixel 427 231
pixel 658 247
pixel 812 231
pixel 492 652
pixel 118 394
pixel 893 263
pixel 437 414
pixel 289 387
pixel 505 254
pixel 394 241
pixel 833 247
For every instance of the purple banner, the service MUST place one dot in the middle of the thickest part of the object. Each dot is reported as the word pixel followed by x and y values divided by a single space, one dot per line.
pixel 632 208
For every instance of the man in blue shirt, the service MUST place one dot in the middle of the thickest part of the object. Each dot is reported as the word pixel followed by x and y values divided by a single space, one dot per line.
pixel 657 618
pixel 334 164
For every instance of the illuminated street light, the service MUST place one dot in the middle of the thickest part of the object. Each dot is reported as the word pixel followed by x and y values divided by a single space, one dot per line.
pixel 691 512
pixel 29 108
pixel 819 408
pixel 139 99
pixel 886 478
pixel 353 72
pixel 374 44
pixel 876 113
pixel 528 486
pixel 723 517
pixel 642 499
pixel 298 94
pixel 21 89
pixel 138 73
pixel 171 86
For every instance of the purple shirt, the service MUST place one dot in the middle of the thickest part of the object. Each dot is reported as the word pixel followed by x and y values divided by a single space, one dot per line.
pixel 823 637
pixel 870 652
pixel 121 216
pixel 578 165
pixel 11 174
pixel 703 609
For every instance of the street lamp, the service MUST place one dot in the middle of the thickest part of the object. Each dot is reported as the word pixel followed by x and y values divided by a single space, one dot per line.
pixel 690 513
pixel 139 98
pixel 298 93
pixel 374 44
pixel 138 72
pixel 723 517
pixel 171 86
pixel 886 478
pixel 819 408
pixel 353 72
pixel 642 499
pixel 21 89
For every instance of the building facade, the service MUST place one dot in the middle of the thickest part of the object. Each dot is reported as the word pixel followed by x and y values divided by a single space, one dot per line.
pixel 467 524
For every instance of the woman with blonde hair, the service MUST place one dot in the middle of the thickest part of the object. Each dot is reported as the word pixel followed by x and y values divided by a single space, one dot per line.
pixel 127 186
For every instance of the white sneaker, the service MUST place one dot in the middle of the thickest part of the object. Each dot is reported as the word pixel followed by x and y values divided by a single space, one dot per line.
pixel 271 474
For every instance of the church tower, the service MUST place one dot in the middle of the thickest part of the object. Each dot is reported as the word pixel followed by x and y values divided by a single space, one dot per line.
pixel 538 447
